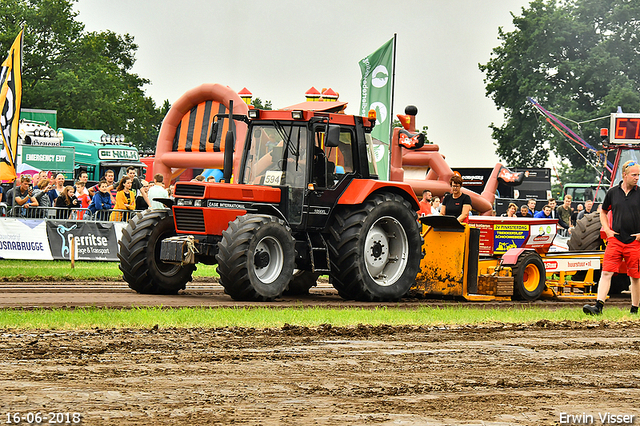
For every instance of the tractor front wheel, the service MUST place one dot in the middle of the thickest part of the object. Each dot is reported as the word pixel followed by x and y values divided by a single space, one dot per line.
pixel 256 258
pixel 139 254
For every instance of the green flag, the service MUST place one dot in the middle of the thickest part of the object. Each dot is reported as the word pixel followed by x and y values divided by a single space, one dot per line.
pixel 376 91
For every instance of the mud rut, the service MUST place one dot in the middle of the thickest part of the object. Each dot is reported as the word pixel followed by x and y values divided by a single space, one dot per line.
pixel 482 375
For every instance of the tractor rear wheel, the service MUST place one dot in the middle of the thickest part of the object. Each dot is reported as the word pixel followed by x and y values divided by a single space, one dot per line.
pixel 139 255
pixel 256 258
pixel 375 249
pixel 529 277
pixel 585 236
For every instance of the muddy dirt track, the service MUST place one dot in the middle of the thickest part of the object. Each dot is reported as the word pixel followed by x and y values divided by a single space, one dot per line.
pixel 482 375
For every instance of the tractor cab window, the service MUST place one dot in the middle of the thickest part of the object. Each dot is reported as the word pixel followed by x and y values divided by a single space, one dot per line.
pixel 277 155
pixel 330 164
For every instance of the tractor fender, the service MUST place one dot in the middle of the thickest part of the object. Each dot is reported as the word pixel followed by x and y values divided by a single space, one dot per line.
pixel 510 257
pixel 271 210
pixel 359 189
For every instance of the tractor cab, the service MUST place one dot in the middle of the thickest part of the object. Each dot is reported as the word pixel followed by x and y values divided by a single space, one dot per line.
pixel 310 156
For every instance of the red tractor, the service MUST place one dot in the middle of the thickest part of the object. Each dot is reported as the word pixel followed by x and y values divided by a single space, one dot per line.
pixel 305 201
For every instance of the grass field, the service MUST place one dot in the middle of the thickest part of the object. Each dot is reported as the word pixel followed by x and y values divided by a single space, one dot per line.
pixel 87 318
pixel 56 270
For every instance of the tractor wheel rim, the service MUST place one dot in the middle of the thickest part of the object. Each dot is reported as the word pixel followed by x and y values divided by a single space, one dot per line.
pixel 385 251
pixel 531 278
pixel 268 259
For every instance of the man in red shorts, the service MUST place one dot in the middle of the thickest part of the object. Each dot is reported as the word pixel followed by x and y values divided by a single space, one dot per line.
pixel 623 237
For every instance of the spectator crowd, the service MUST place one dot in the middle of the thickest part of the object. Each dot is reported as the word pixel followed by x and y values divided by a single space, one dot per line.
pixel 46 195
pixel 565 214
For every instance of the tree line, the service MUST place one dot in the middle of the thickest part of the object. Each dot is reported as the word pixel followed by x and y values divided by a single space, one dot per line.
pixel 579 59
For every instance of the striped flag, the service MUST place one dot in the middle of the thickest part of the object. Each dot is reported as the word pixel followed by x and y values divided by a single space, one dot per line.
pixel 10 99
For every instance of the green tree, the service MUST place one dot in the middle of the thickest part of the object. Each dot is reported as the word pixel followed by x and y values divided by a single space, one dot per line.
pixel 85 76
pixel 257 104
pixel 578 59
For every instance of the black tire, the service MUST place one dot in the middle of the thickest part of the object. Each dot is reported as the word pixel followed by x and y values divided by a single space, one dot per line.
pixel 585 236
pixel 375 249
pixel 139 254
pixel 256 258
pixel 301 283
pixel 529 277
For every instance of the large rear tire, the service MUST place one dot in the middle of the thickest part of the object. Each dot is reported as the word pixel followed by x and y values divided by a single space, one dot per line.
pixel 375 249
pixel 585 236
pixel 139 255
pixel 256 258
pixel 529 277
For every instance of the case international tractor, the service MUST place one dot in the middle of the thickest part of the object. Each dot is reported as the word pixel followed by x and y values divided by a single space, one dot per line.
pixel 304 200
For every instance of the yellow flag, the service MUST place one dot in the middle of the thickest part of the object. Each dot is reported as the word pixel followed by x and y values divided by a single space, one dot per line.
pixel 10 98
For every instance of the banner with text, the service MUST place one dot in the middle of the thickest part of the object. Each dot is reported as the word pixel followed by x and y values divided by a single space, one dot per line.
pixel 24 239
pixel 93 240
pixel 376 90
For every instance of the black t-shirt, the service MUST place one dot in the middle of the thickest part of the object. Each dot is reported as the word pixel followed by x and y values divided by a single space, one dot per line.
pixel 454 205
pixel 626 212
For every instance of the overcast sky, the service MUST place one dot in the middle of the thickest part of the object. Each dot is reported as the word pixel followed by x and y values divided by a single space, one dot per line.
pixel 279 49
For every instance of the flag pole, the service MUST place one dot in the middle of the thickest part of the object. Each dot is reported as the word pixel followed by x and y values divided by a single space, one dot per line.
pixel 393 93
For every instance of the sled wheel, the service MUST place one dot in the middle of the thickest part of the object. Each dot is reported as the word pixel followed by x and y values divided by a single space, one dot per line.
pixel 301 282
pixel 375 249
pixel 139 254
pixel 256 258
pixel 529 277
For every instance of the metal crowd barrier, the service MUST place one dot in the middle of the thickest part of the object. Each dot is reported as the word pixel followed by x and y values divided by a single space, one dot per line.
pixel 63 213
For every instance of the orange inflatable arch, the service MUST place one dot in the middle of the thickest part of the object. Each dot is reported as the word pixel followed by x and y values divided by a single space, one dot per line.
pixel 183 141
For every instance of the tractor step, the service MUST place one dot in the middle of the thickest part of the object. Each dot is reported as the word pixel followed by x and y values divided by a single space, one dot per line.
pixel 319 253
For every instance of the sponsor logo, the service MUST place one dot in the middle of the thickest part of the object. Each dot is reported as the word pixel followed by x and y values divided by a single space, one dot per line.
pixel 85 244
pixel 117 154
pixel 379 76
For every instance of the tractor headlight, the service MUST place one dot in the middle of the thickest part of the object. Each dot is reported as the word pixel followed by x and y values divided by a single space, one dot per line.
pixel 297 115
pixel 253 113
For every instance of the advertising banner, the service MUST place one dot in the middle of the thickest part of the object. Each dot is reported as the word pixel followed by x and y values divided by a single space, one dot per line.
pixel 24 239
pixel 499 234
pixel 93 240
pixel 376 88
